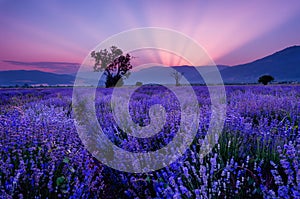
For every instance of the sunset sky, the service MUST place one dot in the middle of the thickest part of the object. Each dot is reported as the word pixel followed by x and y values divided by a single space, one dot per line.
pixel 56 35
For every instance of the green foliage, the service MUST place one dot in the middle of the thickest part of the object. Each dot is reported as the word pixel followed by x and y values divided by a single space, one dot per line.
pixel 66 160
pixel 60 180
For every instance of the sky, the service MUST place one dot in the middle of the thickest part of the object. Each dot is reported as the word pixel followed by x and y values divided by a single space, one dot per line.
pixel 57 35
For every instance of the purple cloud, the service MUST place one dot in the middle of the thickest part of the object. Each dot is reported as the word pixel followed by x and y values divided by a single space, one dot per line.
pixel 56 67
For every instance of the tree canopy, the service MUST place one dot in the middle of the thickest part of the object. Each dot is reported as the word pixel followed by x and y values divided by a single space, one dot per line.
pixel 265 79
pixel 115 65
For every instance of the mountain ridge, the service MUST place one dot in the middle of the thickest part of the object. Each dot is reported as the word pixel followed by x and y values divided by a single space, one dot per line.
pixel 33 77
pixel 283 65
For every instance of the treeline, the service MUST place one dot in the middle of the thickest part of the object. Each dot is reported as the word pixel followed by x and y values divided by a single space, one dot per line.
pixel 35 86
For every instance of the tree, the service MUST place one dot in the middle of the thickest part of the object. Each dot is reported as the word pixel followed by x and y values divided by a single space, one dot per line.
pixel 177 76
pixel 115 65
pixel 139 83
pixel 265 79
pixel 25 85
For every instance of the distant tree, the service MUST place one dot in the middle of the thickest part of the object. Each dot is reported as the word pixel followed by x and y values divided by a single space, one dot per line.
pixel 115 65
pixel 177 76
pixel 265 79
pixel 139 83
pixel 25 85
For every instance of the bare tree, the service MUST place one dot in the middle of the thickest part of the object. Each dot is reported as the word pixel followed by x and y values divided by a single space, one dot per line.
pixel 177 76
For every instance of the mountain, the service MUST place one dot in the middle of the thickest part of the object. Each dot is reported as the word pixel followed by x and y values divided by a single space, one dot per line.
pixel 156 74
pixel 283 66
pixel 33 77
pixel 163 75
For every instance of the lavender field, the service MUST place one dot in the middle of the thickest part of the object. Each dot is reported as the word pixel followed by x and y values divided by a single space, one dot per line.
pixel 257 154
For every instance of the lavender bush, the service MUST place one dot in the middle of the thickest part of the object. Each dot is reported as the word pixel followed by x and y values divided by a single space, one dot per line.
pixel 257 155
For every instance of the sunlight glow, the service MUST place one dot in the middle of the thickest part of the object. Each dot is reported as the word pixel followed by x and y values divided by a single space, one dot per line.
pixel 68 32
